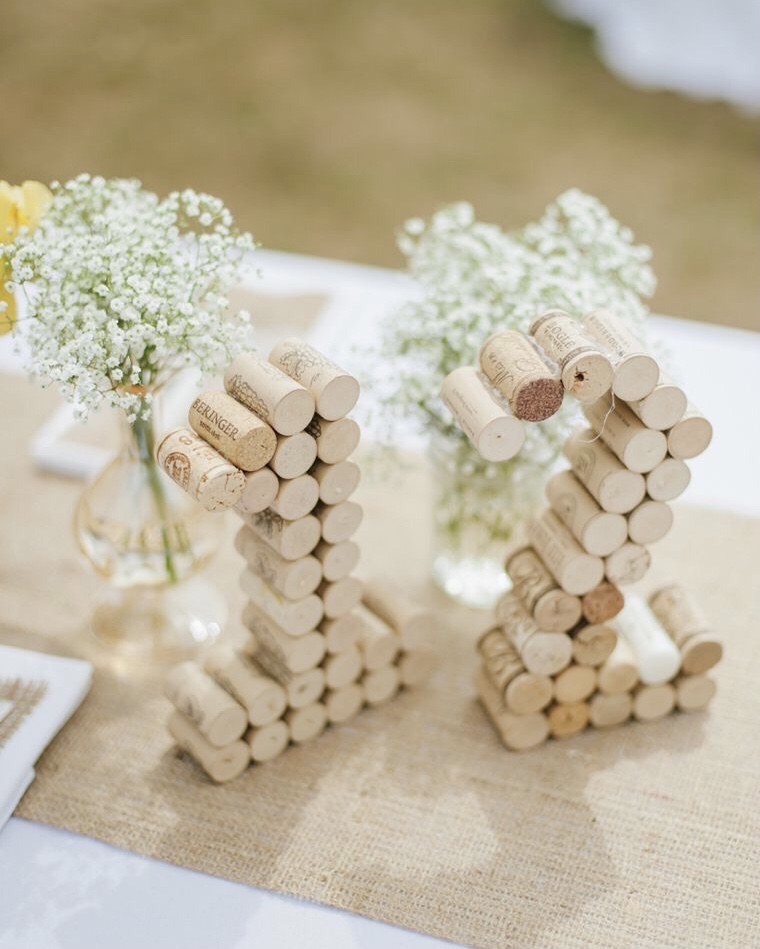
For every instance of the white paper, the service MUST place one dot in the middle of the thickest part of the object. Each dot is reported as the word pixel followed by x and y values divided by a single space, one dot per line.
pixel 67 681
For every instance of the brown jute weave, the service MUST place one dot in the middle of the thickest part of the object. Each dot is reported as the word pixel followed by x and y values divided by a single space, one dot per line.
pixel 414 814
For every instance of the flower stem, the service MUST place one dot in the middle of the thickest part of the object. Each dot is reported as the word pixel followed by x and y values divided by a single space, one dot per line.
pixel 144 440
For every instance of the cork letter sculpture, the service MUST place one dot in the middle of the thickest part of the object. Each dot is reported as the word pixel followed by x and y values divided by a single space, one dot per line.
pixel 317 644
pixel 568 649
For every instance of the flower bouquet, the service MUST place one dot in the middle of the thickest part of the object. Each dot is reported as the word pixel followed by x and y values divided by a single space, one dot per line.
pixel 475 279
pixel 119 291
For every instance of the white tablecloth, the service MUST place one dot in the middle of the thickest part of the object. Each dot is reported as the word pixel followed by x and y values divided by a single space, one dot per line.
pixel 59 889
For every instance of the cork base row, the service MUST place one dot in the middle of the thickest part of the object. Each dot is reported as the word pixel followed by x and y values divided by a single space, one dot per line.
pixel 229 713
pixel 319 643
pixel 598 681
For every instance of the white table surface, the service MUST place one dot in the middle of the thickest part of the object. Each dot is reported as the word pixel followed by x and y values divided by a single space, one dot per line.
pixel 59 889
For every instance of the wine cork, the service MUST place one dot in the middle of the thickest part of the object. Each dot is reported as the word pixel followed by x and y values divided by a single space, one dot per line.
pixel 260 490
pixel 651 702
pixel 541 653
pixel 517 732
pixel 598 532
pixel 586 371
pixel 271 394
pixel 557 611
pixel 414 625
pixel 639 448
pixel 576 571
pixel 606 479
pixel 335 391
pixel 554 610
pixel 342 632
pixel 501 660
pixel 381 685
pixel 378 642
pixel 294 617
pixel 294 455
pixel 336 483
pixel 688 627
pixel 263 698
pixel 516 370
pixel 569 719
pixel 593 644
pixel 668 480
pixel 607 711
pixel 281 656
pixel 574 684
pixel 220 764
pixel 343 704
pixel 290 539
pixel 662 408
pixel 294 579
pixel 306 723
pixel 340 596
pixel 335 440
pixel 217 716
pixel 296 498
pixel 649 522
pixel 200 470
pixel 339 522
pixel 528 693
pixel 657 656
pixel 602 603
pixel 416 665
pixel 636 372
pixel 306 687
pixel 338 560
pixel 342 668
pixel 693 693
pixel 268 741
pixel 492 429
pixel 691 435
pixel 628 564
pixel 523 692
pixel 620 672
pixel 242 437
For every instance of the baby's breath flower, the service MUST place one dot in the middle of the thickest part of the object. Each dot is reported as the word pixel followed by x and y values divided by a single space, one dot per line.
pixel 475 279
pixel 124 289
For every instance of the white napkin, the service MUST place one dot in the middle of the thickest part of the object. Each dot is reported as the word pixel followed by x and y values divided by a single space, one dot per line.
pixel 67 681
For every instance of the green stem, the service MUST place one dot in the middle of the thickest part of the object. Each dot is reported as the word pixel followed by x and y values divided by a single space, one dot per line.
pixel 144 439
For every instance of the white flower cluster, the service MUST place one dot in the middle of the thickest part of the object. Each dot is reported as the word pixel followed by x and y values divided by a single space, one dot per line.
pixel 124 289
pixel 475 279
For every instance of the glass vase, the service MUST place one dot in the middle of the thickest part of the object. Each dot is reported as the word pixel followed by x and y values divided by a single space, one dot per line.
pixel 477 507
pixel 149 540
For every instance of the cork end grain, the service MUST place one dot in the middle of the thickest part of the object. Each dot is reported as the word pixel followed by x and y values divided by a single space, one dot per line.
pixel 635 377
pixel 588 377
pixel 602 603
pixel 338 397
pixel 538 400
pixel 693 693
pixel 700 653
pixel 568 719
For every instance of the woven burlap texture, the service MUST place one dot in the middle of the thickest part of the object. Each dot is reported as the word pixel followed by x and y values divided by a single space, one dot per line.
pixel 413 813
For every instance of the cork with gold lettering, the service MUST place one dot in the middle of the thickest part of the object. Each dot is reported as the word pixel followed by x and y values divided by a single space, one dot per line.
pixel 200 470
pixel 232 429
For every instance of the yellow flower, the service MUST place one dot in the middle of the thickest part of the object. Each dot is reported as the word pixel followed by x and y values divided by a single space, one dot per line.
pixel 20 206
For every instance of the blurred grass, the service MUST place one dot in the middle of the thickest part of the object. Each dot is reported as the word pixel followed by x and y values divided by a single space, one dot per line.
pixel 324 124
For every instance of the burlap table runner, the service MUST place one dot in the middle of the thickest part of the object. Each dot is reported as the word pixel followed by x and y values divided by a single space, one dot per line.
pixel 413 813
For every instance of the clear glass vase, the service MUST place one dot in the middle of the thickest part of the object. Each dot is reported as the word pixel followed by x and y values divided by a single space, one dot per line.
pixel 477 507
pixel 149 539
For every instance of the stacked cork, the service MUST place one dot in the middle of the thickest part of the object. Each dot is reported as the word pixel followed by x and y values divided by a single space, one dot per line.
pixel 318 643
pixel 568 650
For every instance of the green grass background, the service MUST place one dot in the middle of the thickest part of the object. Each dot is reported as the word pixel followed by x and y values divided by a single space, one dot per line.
pixel 325 123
